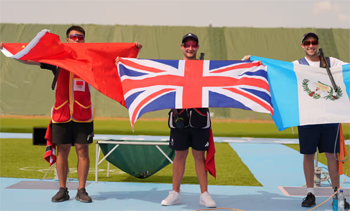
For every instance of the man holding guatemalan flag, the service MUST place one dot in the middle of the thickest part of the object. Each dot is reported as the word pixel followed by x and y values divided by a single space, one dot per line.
pixel 191 86
pixel 303 96
pixel 321 136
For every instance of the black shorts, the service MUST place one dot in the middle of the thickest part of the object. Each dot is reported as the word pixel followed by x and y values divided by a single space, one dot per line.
pixel 322 137
pixel 72 132
pixel 182 139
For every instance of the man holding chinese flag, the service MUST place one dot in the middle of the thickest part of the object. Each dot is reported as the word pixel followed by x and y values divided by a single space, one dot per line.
pixel 73 114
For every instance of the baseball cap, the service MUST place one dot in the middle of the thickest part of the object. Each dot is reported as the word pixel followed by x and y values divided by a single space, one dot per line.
pixel 309 34
pixel 189 35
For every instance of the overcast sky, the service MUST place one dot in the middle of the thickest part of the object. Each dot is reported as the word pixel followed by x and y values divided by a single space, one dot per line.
pixel 230 13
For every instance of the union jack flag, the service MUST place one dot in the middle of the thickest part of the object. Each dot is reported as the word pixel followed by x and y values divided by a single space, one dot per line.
pixel 150 85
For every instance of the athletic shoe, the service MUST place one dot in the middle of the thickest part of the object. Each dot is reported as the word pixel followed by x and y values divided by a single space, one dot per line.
pixel 206 200
pixel 61 195
pixel 346 205
pixel 172 199
pixel 83 196
pixel 309 201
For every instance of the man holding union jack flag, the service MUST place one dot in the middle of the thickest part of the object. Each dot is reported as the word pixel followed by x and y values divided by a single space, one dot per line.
pixel 189 87
pixel 189 128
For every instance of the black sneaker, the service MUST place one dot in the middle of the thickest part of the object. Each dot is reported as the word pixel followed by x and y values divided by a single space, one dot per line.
pixel 346 205
pixel 309 201
pixel 83 196
pixel 61 195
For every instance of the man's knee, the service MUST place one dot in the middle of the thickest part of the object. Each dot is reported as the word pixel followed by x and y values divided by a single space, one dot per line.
pixel 198 155
pixel 329 156
pixel 309 156
pixel 181 155
pixel 63 150
pixel 82 150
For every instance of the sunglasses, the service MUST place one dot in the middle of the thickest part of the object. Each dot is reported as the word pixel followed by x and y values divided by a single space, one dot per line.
pixel 190 45
pixel 80 37
pixel 313 42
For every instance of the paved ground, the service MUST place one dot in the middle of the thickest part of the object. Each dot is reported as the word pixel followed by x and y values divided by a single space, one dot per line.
pixel 274 166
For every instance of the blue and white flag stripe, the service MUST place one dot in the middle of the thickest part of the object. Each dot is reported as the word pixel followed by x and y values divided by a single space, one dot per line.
pixel 303 95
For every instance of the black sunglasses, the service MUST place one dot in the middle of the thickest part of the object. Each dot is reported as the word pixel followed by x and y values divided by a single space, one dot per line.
pixel 309 42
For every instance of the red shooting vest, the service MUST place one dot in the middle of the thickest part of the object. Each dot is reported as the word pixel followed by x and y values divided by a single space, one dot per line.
pixel 73 99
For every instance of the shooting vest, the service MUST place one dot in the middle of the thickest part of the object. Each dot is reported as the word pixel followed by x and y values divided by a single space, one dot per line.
pixel 73 100
pixel 192 117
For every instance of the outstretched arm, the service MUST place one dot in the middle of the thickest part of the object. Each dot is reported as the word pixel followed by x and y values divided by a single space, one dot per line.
pixel 28 62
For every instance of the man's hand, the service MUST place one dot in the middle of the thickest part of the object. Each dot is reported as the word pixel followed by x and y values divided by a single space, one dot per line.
pixel 1 45
pixel 246 57
pixel 138 45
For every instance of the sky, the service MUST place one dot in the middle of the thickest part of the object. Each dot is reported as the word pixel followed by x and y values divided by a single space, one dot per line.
pixel 218 13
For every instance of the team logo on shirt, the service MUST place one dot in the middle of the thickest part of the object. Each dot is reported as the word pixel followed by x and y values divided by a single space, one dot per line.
pixel 79 85
pixel 319 90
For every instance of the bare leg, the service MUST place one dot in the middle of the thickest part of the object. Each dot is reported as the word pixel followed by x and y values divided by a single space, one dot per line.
pixel 202 175
pixel 179 165
pixel 333 169
pixel 62 163
pixel 309 170
pixel 83 163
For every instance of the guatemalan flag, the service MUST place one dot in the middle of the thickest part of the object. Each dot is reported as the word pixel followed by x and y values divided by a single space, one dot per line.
pixel 303 95
pixel 150 85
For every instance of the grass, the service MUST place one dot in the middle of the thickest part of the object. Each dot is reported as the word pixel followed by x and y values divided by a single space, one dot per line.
pixel 223 128
pixel 151 127
pixel 20 159
pixel 322 157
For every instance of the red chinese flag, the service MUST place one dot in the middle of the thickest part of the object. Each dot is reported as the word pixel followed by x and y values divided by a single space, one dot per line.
pixel 93 62
pixel 80 83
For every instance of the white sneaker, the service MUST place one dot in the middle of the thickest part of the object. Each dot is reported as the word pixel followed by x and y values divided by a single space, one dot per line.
pixel 172 199
pixel 206 200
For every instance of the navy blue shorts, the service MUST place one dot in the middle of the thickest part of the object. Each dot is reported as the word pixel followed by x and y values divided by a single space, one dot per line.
pixel 321 136
pixel 182 139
